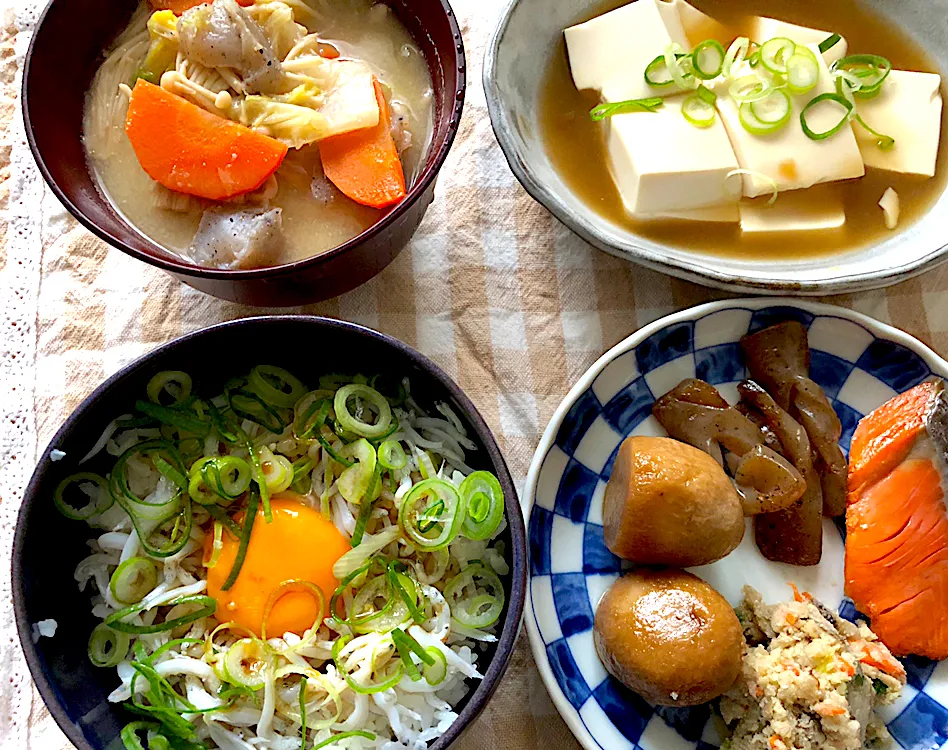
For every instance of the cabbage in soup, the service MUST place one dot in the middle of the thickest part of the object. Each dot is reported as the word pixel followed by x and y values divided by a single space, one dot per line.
pixel 252 133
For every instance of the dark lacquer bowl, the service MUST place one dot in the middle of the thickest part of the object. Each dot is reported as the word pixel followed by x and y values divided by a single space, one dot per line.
pixel 53 98
pixel 47 545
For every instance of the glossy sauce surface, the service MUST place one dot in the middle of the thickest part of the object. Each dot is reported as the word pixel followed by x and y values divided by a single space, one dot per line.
pixel 576 149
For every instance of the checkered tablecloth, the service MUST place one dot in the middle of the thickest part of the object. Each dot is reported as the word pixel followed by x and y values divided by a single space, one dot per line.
pixel 492 288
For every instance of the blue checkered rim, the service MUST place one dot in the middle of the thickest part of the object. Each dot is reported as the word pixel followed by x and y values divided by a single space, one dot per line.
pixel 569 471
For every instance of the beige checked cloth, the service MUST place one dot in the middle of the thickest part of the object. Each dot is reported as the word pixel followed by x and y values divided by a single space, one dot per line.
pixel 507 301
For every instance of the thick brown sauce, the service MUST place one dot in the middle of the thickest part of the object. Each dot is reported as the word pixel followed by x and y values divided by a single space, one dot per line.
pixel 576 149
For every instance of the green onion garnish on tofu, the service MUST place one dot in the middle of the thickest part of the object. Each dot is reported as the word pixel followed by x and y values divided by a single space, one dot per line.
pixel 767 115
pixel 698 108
pixel 803 71
pixel 735 54
pixel 656 74
pixel 871 70
pixel 831 41
pixel 602 111
pixel 749 89
pixel 883 141
pixel 832 99
pixel 707 59
pixel 680 67
pixel 776 52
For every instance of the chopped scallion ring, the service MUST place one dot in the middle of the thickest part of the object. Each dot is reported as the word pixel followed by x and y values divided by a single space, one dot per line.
pixel 775 53
pixel 749 89
pixel 107 647
pixel 707 59
pixel 432 514
pixel 735 54
pixel 435 672
pixel 469 606
pixel 841 101
pixel 831 41
pixel 483 500
pixel 772 110
pixel 602 111
pixel 757 175
pixel 883 141
pixel 95 489
pixel 872 70
pixel 847 84
pixel 133 580
pixel 173 382
pixel 656 74
pixel 803 71
pixel 680 67
pixel 698 111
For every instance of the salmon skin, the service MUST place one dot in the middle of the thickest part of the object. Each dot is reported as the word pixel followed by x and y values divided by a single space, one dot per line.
pixel 897 521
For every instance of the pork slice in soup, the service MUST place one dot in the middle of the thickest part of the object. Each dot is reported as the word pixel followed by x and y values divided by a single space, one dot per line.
pixel 315 116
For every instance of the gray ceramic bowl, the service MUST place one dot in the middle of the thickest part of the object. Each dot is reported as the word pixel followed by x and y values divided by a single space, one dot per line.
pixel 516 62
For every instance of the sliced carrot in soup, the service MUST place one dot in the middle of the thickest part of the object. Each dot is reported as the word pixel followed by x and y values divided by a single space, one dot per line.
pixel 364 164
pixel 192 151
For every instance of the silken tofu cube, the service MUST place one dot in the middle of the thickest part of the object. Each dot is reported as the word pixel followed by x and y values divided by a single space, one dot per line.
pixel 609 54
pixel 662 164
pixel 699 26
pixel 908 108
pixel 789 156
pixel 819 208
pixel 763 28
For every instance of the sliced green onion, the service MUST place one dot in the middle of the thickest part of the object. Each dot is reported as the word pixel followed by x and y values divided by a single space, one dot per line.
pixel 749 89
pixel 133 579
pixel 437 670
pixel 760 176
pixel 343 736
pixel 846 85
pixel 698 108
pixel 425 528
pixel 656 74
pixel 170 473
pixel 129 734
pixel 227 430
pixel 735 54
pixel 228 476
pixel 312 411
pixel 217 546
pixel 392 456
pixel 302 475
pixel 386 681
pixel 251 515
pixel 872 70
pixel 774 54
pixel 277 471
pixel 831 41
pixel 365 510
pixel 260 478
pixel 333 453
pixel 847 108
pixel 183 419
pixel 173 382
pixel 355 423
pixel 602 111
pixel 406 646
pixel 883 141
pixel 679 67
pixel 246 404
pixel 206 607
pixel 275 385
pixel 107 647
pixel 707 59
pixel 774 110
pixel 219 514
pixel 89 484
pixel 803 71
pixel 293 586
pixel 303 712
pixel 245 663
pixel 406 590
pixel 470 608
pixel 483 499
pixel 355 481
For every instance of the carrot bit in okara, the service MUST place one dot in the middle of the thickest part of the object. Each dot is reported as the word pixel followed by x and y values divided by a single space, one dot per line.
pixel 798 596
pixel 364 164
pixel 180 6
pixel 192 151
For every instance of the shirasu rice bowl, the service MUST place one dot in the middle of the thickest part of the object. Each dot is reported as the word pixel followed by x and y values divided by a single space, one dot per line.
pixel 187 481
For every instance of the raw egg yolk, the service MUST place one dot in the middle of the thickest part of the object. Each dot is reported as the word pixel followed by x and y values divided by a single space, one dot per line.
pixel 299 543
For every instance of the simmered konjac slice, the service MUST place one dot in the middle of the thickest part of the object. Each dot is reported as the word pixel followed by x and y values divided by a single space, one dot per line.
pixel 191 151
pixel 364 164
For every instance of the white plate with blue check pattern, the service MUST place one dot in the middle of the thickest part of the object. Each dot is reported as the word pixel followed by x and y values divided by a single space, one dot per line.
pixel 860 364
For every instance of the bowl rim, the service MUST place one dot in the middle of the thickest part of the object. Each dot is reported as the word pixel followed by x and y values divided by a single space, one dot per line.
pixel 516 596
pixel 700 267
pixel 181 267
pixel 936 363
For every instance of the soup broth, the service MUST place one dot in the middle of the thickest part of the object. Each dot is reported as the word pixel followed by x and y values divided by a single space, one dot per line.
pixel 315 215
pixel 575 144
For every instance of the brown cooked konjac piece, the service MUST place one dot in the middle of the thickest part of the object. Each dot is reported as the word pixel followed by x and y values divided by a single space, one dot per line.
pixel 778 358
pixel 793 535
pixel 695 413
